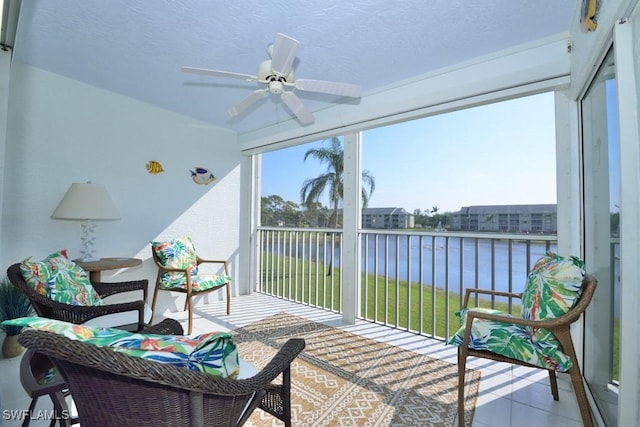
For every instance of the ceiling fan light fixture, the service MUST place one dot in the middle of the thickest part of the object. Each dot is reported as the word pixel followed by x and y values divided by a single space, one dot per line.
pixel 276 87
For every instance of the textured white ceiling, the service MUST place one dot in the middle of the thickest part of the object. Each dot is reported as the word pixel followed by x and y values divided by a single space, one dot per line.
pixel 136 47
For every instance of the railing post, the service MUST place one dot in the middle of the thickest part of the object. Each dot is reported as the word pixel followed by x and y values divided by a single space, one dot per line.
pixel 350 261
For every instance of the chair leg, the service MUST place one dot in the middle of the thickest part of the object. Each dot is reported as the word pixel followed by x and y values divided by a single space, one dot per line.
pixel 153 304
pixel 189 305
pixel 286 396
pixel 27 418
pixel 564 338
pixel 228 299
pixel 553 380
pixel 581 395
pixel 60 408
pixel 462 360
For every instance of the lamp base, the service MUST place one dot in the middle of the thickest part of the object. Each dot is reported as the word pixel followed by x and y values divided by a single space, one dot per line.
pixel 87 239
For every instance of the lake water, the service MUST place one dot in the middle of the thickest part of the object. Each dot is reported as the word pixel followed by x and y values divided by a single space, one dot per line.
pixel 412 258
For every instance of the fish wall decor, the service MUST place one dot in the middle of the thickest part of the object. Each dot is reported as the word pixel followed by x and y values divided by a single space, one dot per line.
pixel 202 176
pixel 154 167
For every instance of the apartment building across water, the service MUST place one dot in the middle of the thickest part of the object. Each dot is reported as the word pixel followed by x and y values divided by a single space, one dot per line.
pixel 506 218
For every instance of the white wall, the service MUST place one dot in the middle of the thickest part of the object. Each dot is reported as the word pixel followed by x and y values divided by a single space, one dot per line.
pixel 5 68
pixel 62 131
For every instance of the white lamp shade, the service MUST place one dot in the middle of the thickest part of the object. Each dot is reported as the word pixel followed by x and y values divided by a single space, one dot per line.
pixel 86 202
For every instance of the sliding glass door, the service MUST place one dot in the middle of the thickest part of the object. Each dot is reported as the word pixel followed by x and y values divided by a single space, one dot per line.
pixel 601 155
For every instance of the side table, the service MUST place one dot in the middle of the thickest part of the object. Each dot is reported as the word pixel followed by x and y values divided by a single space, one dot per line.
pixel 96 267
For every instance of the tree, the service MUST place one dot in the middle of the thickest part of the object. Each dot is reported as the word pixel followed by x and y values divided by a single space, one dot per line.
pixel 421 219
pixel 271 211
pixel 333 179
pixel 316 215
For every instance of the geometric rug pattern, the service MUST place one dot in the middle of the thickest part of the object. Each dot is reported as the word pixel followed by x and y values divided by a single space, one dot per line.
pixel 343 379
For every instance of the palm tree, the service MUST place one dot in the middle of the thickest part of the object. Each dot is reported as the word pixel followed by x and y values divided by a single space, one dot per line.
pixel 332 179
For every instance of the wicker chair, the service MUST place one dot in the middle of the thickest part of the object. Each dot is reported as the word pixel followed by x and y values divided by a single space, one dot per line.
pixel 111 388
pixel 46 307
pixel 35 366
pixel 559 327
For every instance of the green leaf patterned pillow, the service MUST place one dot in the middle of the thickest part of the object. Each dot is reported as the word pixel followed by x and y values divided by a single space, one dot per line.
pixel 553 287
pixel 177 253
pixel 214 353
pixel 60 279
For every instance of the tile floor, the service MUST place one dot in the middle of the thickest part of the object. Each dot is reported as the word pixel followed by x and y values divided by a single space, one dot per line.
pixel 508 395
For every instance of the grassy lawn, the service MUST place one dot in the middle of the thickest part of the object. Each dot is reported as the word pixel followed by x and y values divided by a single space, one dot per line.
pixel 419 308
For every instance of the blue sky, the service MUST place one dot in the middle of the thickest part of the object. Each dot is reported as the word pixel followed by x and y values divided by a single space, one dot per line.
pixel 501 153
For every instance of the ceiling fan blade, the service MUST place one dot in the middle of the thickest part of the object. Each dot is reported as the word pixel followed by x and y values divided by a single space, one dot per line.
pixel 296 106
pixel 247 102
pixel 332 88
pixel 216 73
pixel 283 55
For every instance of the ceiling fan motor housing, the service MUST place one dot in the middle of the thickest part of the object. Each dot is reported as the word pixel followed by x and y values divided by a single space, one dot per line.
pixel 266 74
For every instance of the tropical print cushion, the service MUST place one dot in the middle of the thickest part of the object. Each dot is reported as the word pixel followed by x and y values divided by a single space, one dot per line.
pixel 62 280
pixel 177 253
pixel 36 274
pixel 512 341
pixel 199 282
pixel 552 289
pixel 214 353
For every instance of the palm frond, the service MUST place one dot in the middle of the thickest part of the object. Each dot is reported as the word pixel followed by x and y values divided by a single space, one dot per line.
pixel 333 180
pixel 13 304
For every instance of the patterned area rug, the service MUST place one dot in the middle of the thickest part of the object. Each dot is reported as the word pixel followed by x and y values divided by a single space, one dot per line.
pixel 342 379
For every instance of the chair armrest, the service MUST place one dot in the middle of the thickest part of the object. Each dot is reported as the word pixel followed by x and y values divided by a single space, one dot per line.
pixel 79 314
pixel 549 324
pixel 282 360
pixel 105 289
pixel 219 261
pixel 165 269
pixel 214 261
pixel 470 291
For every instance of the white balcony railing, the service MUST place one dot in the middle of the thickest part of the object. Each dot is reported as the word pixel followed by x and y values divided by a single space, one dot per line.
pixel 410 280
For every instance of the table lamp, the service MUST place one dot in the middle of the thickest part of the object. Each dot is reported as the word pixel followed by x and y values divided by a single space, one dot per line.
pixel 87 203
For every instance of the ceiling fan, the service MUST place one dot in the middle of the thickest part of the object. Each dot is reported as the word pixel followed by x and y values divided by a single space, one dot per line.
pixel 277 76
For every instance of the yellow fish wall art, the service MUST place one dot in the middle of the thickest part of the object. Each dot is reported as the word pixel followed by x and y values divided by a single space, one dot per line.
pixel 154 167
pixel 202 176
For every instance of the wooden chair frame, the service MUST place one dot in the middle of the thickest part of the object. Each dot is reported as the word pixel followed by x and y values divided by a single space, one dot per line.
pixel 559 327
pixel 188 289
